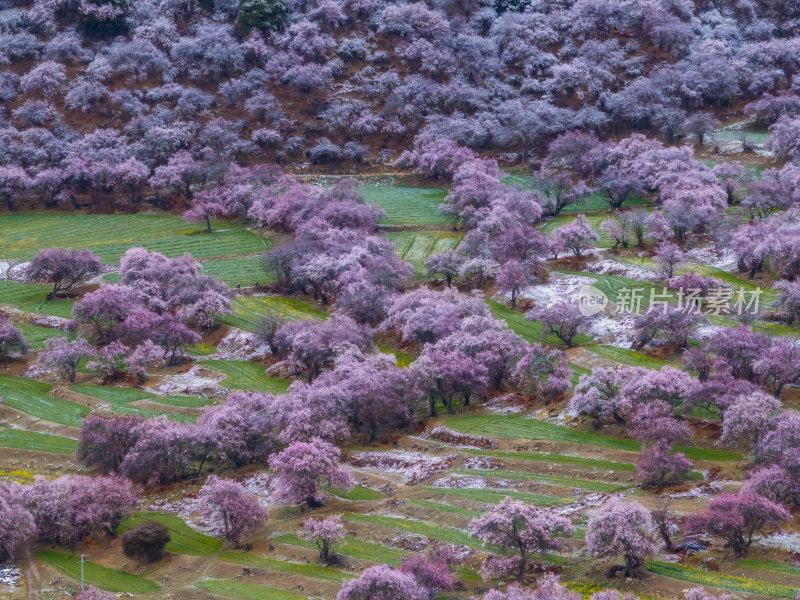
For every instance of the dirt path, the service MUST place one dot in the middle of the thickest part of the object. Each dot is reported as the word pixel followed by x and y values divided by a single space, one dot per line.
pixel 587 360
pixel 33 579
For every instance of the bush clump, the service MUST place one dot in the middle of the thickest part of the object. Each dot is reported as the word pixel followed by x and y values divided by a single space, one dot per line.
pixel 261 14
pixel 145 542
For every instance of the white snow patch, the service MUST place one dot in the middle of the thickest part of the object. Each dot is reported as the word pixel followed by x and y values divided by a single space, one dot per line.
pixel 706 331
pixel 561 418
pixel 275 367
pixel 560 287
pixel 468 481
pixel 616 330
pixel 482 462
pixel 460 482
pixel 705 490
pixel 498 406
pixel 197 381
pixel 4 267
pixel 35 371
pixel 190 508
pixel 588 501
pixel 260 485
pixel 712 257
pixel 240 345
pixel 413 466
pixel 17 272
pixel 455 438
pixel 50 321
pixel 10 575
pixel 607 266
pixel 783 539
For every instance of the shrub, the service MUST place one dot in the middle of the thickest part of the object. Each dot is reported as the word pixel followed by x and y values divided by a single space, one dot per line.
pixel 11 338
pixel 325 151
pixel 104 16
pixel 145 542
pixel 261 14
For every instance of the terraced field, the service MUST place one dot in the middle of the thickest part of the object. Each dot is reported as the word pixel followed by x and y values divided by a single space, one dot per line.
pixel 582 484
pixel 408 205
pixel 32 397
pixel 36 442
pixel 560 459
pixel 109 236
pixel 531 331
pixel 593 202
pixel 594 219
pixel 358 493
pixel 448 508
pixel 767 295
pixel 719 580
pixel 771 329
pixel 282 566
pixel 415 248
pixel 55 308
pixel 247 375
pixel 242 271
pixel 352 548
pixel 120 400
pixel 14 292
pixel 36 336
pixel 626 356
pixel 246 591
pixel 768 565
pixel 615 285
pixel 183 539
pixel 111 580
pixel 516 427
pixel 491 496
pixel 575 470
pixel 444 534
pixel 247 311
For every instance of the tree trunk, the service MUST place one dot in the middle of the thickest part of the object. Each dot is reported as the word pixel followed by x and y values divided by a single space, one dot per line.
pixel 632 566
pixel 523 566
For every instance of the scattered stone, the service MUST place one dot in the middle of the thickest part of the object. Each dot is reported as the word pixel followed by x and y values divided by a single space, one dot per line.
pixel 412 543
pixel 692 546
pixel 241 345
pixel 415 467
pixel 482 462
pixel 10 575
pixel 461 481
pixel 387 490
pixel 448 436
